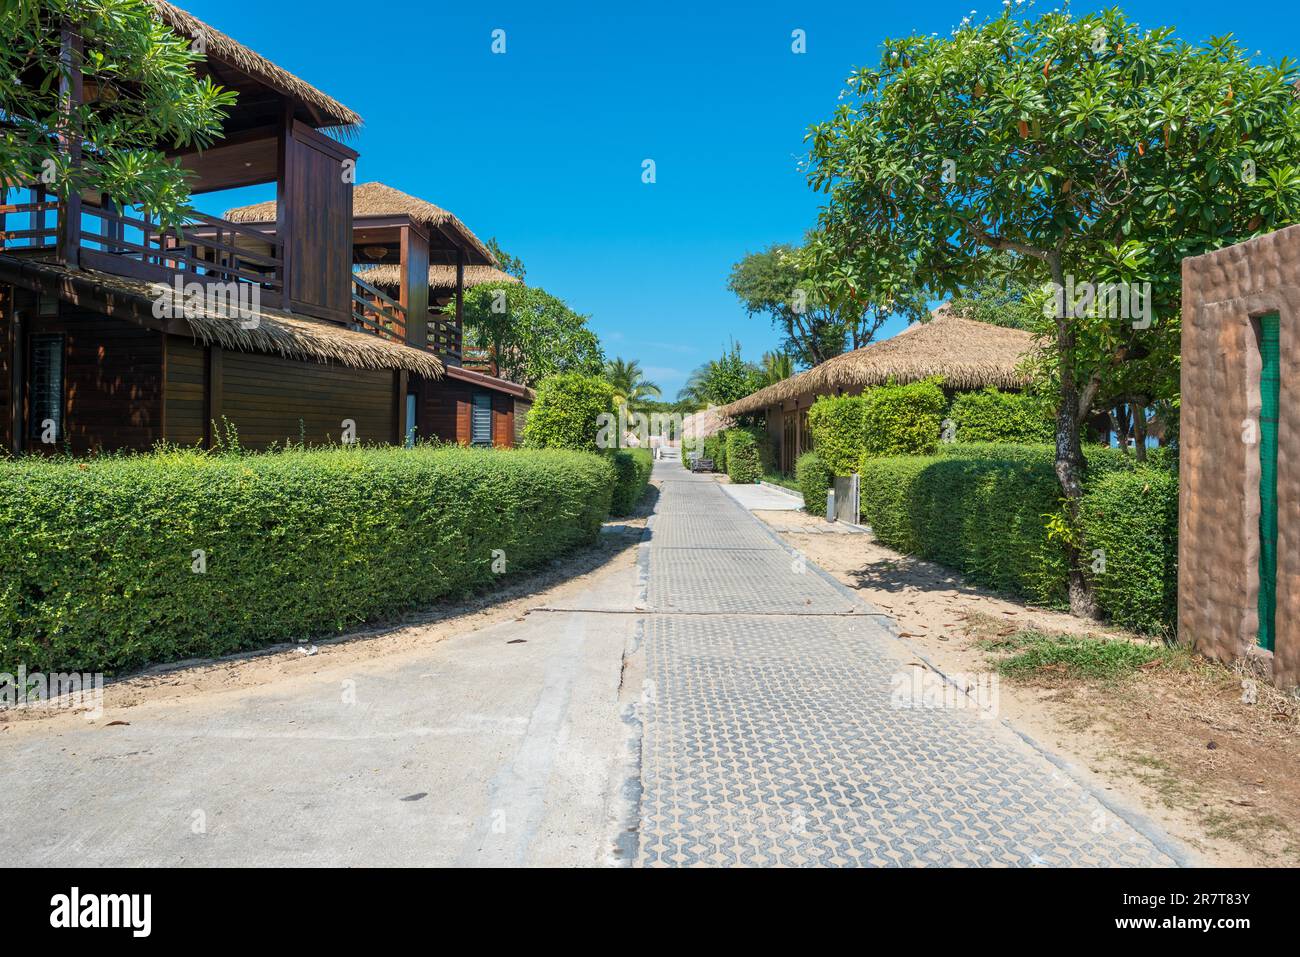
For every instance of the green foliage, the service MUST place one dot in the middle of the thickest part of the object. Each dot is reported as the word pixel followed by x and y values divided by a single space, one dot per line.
pixel 531 333
pixel 1007 296
pixel 814 479
pixel 512 265
pixel 632 468
pixel 744 463
pixel 1087 657
pixel 567 413
pixel 630 385
pixel 722 380
pixel 97 556
pixel 714 447
pixel 994 416
pixel 985 510
pixel 902 419
pixel 1132 517
pixel 836 423
pixel 153 101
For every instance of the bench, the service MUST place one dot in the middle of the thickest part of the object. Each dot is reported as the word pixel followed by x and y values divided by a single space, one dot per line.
pixel 702 465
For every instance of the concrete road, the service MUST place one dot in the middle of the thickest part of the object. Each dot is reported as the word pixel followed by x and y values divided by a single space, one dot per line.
pixel 507 746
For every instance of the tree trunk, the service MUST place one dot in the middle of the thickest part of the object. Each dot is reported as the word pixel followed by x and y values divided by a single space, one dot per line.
pixel 1138 405
pixel 1069 453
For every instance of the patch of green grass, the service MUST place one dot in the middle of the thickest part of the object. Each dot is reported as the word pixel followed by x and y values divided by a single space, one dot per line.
pixel 1035 653
pixel 785 481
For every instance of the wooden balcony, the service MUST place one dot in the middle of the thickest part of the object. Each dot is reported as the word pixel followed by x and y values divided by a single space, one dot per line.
pixel 445 338
pixel 375 312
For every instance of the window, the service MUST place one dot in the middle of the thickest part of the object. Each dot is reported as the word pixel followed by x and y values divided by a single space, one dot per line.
pixel 481 421
pixel 411 406
pixel 45 422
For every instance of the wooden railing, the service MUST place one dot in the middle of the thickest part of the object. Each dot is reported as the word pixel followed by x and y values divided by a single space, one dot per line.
pixel 375 312
pixel 35 220
pixel 206 249
pixel 445 337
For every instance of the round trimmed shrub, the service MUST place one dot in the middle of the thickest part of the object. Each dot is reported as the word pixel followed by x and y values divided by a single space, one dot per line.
pixel 814 479
pixel 569 413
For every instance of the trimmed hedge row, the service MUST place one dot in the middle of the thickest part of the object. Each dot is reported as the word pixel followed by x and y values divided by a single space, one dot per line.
pixel 836 423
pixel 814 479
pixel 632 468
pixel 984 509
pixel 744 460
pixel 994 416
pixel 100 559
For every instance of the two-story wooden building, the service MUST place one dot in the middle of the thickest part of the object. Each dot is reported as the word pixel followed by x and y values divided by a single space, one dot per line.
pixel 115 334
pixel 411 259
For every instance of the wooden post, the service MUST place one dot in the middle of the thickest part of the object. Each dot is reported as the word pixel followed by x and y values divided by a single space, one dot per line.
pixel 459 336
pixel 70 98
pixel 284 224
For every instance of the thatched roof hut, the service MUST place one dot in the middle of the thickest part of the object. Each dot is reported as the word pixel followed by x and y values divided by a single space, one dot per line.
pixel 331 112
pixel 966 353
pixel 377 200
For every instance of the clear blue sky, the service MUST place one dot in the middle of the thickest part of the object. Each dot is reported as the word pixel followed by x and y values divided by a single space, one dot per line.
pixel 542 146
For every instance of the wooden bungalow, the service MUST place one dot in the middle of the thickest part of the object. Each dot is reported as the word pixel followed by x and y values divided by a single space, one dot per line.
pixel 411 258
pixel 968 354
pixel 115 334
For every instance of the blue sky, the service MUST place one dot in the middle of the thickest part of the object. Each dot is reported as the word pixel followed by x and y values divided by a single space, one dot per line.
pixel 542 146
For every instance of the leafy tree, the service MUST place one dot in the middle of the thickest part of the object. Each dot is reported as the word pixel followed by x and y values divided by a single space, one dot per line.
pixel 531 333
pixel 1007 296
pixel 1088 147
pixel 142 98
pixel 631 387
pixel 721 380
pixel 512 265
pixel 568 411
pixel 818 321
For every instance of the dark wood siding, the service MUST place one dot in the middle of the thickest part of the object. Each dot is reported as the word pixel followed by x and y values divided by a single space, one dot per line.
pixel 315 205
pixel 112 381
pixel 185 399
pixel 446 411
pixel 271 399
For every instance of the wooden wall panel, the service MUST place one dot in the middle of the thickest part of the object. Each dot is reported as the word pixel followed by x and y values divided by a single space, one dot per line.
pixel 503 420
pixel 271 399
pixel 184 398
pixel 446 411
pixel 315 221
pixel 113 381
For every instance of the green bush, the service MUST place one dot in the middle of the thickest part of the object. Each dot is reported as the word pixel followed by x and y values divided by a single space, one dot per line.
pixel 993 416
pixel 744 461
pixel 814 479
pixel 902 419
pixel 983 509
pixel 715 449
pixel 97 556
pixel 1132 517
pixel 632 467
pixel 567 414
pixel 836 423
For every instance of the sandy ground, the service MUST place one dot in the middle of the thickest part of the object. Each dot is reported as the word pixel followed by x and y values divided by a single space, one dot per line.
pixel 1219 774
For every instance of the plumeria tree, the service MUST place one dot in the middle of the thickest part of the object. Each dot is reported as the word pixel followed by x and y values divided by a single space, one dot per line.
pixel 530 333
pixel 141 95
pixel 1095 151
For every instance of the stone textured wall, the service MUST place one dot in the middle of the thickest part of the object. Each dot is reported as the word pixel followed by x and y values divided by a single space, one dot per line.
pixel 1218 550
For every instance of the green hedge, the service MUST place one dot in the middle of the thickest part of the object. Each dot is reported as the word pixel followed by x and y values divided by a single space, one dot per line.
pixel 902 419
pixel 993 416
pixel 96 555
pixel 982 509
pixel 567 414
pixel 836 424
pixel 715 449
pixel 744 460
pixel 632 467
pixel 814 479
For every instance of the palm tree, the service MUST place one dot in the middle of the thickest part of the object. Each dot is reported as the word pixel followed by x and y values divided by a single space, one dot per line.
pixel 775 367
pixel 630 385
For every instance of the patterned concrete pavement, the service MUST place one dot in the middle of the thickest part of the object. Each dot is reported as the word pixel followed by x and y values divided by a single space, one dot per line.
pixel 784 724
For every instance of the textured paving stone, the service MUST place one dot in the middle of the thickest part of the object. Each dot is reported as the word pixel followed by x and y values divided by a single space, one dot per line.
pixel 777 739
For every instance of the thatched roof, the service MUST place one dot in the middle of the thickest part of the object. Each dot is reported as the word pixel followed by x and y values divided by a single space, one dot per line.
pixel 389 276
pixel 332 112
pixel 376 199
pixel 698 426
pixel 276 332
pixel 966 353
